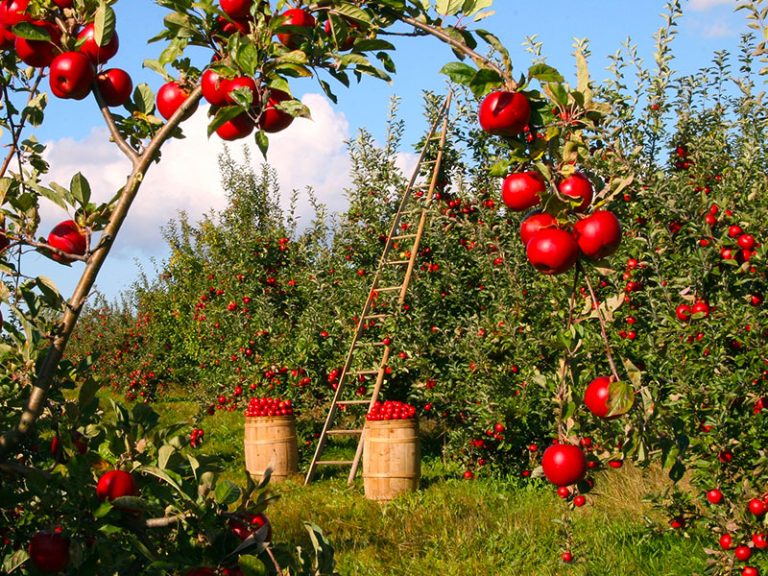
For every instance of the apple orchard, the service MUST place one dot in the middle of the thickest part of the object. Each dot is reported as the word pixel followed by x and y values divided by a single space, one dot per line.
pixel 590 290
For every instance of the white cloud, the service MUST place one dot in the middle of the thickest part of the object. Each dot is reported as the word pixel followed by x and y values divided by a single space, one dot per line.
pixel 704 5
pixel 187 178
pixel 717 30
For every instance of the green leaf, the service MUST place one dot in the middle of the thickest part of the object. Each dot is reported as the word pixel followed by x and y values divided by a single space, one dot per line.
pixel 499 47
pixel 103 24
pixel 224 114
pixel 368 45
pixel 621 398
pixel 29 31
pixel 164 454
pixel 88 391
pixel 81 190
pixel 351 13
pixel 459 72
pixel 484 81
pixel 449 7
pixel 251 565
pixel 226 492
pixel 247 58
pixel 143 99
pixel 545 73
pixel 262 141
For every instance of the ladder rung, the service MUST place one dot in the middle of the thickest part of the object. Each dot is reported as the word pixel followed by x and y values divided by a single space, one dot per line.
pixel 414 211
pixel 389 288
pixel 334 462
pixel 375 316
pixel 351 402
pixel 364 372
pixel 341 432
pixel 371 344
pixel 397 262
pixel 403 236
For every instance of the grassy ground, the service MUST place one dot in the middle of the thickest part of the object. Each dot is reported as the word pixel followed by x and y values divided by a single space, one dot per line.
pixel 465 528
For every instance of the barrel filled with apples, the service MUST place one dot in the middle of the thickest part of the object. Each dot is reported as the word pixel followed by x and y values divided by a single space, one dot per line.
pixel 391 451
pixel 270 439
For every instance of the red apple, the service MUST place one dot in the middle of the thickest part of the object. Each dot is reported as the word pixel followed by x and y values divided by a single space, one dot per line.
pixel 115 86
pixel 11 13
pixel 598 235
pixel 272 119
pixel 504 113
pixel 238 127
pixel 683 312
pixel 39 53
pixel 552 251
pixel 535 222
pixel 597 396
pixel 236 8
pixel 757 507
pixel 295 17
pixel 68 237
pixel 99 54
pixel 249 523
pixel 715 496
pixel 522 190
pixel 700 307
pixel 170 97
pixel 214 87
pixel 564 464
pixel 71 75
pixel 726 541
pixel 64 3
pixel 743 552
pixel 49 552
pixel 237 83
pixel 114 484
pixel 577 186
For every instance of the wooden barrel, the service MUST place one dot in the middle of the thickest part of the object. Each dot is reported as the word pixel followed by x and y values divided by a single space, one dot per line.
pixel 391 458
pixel 270 441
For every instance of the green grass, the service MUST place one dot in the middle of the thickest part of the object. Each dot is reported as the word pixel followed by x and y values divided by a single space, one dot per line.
pixel 463 528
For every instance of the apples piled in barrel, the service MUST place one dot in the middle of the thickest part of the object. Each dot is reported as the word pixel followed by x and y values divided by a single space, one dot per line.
pixel 391 410
pixel 561 228
pixel 260 407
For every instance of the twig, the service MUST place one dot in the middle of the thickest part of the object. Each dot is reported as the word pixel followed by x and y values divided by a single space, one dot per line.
pixel 603 331
pixel 477 58
pixel 117 138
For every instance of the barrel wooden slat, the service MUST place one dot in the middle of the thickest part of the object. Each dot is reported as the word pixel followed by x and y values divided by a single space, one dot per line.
pixel 391 458
pixel 270 441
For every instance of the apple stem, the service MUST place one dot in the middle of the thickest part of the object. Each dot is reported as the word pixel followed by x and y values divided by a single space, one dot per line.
pixel 603 331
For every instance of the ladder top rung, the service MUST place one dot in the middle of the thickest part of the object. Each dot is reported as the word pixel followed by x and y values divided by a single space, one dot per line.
pixel 340 432
pixel 375 316
pixel 371 344
pixel 334 462
pixel 403 236
pixel 397 262
pixel 348 402
pixel 367 372
pixel 389 288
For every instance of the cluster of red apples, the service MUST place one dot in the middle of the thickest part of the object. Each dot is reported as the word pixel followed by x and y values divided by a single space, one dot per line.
pixel 69 50
pixel 260 407
pixel 553 245
pixel 391 410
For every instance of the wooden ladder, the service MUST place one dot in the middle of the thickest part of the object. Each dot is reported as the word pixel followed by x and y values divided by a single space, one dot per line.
pixel 430 160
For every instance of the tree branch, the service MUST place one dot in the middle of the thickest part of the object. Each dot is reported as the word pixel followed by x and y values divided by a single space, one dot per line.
pixel 461 47
pixel 117 138
pixel 47 371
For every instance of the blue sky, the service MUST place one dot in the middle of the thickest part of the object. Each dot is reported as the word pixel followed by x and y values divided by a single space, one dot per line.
pixel 185 181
